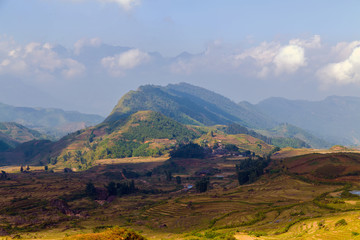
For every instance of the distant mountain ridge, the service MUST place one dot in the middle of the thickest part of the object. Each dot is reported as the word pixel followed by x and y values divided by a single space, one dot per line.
pixel 335 118
pixel 55 122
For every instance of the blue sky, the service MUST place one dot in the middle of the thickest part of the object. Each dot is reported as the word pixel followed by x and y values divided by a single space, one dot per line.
pixel 245 50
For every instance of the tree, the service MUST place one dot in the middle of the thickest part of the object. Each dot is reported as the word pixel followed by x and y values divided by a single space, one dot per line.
pixel 202 184
pixel 90 190
pixel 3 175
pixel 111 189
pixel 178 180
pixel 46 168
pixel 21 169
pixel 27 168
pixel 168 175
pixel 91 137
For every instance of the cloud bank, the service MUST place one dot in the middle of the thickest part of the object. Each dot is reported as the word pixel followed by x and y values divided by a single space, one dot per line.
pixel 308 58
pixel 36 60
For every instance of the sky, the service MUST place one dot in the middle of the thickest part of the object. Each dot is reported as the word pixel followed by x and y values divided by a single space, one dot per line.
pixel 84 55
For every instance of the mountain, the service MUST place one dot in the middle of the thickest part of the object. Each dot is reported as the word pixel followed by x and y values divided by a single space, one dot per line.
pixel 54 122
pixel 189 105
pixel 335 118
pixel 141 134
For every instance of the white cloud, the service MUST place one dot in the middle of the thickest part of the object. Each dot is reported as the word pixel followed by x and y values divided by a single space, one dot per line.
pixel 272 58
pixel 36 60
pixel 118 64
pixel 344 72
pixel 289 59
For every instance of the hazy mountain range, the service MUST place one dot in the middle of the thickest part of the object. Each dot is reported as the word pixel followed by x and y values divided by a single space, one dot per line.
pixel 335 118
pixel 53 122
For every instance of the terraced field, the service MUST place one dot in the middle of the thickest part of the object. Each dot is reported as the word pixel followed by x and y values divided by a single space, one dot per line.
pixel 280 205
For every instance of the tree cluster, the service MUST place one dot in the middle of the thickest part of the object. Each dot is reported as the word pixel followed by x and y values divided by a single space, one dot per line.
pixel 119 189
pixel 250 170
pixel 190 150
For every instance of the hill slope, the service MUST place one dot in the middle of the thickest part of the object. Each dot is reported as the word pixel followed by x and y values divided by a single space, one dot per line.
pixel 19 133
pixel 55 122
pixel 334 118
pixel 290 131
pixel 13 134
pixel 189 105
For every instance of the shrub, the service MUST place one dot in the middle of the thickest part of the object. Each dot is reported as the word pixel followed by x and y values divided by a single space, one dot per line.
pixel 341 222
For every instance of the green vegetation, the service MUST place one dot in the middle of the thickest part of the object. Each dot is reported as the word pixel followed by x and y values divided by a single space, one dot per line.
pixel 289 142
pixel 157 126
